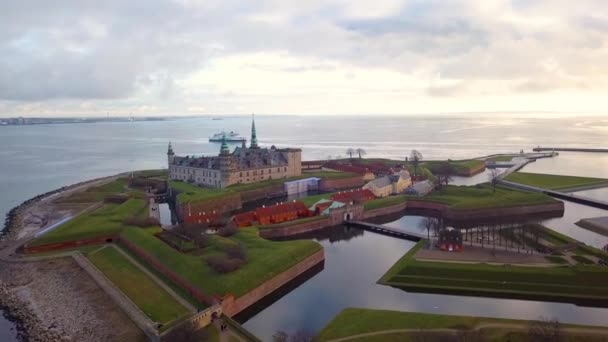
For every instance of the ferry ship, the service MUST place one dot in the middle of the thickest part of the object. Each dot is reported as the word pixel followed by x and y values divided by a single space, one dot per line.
pixel 231 136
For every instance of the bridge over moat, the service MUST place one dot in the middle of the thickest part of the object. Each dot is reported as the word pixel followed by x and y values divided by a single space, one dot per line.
pixel 381 229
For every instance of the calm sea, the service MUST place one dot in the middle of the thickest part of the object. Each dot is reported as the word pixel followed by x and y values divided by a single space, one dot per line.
pixel 36 159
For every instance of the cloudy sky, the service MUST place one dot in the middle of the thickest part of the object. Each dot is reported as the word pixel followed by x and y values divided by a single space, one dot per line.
pixel 187 57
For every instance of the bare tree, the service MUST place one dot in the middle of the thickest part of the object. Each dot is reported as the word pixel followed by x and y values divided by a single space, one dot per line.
pixel 545 330
pixel 415 158
pixel 493 175
pixel 444 173
pixel 361 152
pixel 429 224
pixel 350 151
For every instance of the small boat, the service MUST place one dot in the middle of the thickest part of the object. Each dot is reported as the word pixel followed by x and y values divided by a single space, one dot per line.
pixel 231 136
pixel 217 119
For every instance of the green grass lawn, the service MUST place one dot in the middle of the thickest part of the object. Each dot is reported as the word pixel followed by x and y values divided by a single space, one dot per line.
pixel 266 259
pixel 555 182
pixel 384 202
pixel 354 321
pixel 103 221
pixel 483 196
pixel 189 192
pixel 96 193
pixel 135 284
pixel 504 280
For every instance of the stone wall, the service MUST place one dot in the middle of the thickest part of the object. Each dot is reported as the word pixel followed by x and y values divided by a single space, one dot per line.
pixel 295 229
pixel 68 244
pixel 349 212
pixel 556 208
pixel 232 306
pixel 385 211
pixel 222 205
pixel 343 183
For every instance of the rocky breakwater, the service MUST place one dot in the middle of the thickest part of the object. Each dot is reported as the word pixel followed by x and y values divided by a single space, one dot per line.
pixel 29 326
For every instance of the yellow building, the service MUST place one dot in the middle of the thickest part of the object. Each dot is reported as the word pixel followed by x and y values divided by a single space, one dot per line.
pixel 389 185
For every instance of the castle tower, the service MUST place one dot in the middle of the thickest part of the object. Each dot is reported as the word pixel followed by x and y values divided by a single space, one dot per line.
pixel 254 137
pixel 224 148
pixel 225 159
pixel 170 155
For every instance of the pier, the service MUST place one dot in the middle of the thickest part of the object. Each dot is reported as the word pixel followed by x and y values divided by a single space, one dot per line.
pixel 381 229
pixel 561 195
pixel 569 149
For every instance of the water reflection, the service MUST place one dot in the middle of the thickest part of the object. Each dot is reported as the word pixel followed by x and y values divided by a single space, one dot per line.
pixel 352 267
pixel 8 332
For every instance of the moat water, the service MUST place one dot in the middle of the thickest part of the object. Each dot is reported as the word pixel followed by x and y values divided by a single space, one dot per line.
pixel 36 159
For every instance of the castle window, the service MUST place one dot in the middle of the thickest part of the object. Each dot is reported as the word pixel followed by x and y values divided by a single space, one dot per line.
pixel 262 171
pixel 278 169
pixel 285 169
pixel 248 175
pixel 240 174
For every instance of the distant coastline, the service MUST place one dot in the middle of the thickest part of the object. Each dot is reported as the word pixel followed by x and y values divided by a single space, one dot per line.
pixel 21 121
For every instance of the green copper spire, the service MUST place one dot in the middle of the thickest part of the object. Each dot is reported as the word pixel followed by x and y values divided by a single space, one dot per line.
pixel 224 149
pixel 254 137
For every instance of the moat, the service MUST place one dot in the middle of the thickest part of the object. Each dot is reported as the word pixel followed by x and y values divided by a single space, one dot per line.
pixel 356 259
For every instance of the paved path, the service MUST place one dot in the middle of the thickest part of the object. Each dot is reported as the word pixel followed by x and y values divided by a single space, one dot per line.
pixel 510 326
pixel 152 276
pixel 137 316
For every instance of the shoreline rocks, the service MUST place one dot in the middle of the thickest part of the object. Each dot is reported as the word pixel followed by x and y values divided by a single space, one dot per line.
pixel 29 327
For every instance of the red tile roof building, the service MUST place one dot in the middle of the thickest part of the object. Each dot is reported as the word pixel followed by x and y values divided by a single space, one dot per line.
pixel 277 213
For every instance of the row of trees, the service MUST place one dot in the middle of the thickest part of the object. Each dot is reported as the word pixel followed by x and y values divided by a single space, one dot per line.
pixel 352 151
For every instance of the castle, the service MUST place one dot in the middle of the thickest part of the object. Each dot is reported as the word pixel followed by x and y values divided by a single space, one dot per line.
pixel 244 165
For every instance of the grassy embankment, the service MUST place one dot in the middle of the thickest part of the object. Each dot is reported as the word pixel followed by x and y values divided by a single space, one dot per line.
pixel 557 239
pixel 98 193
pixel 556 182
pixel 355 321
pixel 483 196
pixel 580 282
pixel 106 220
pixel 265 259
pixel 460 167
pixel 501 158
pixel 135 284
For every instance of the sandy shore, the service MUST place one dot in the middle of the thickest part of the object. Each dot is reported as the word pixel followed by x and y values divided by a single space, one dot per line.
pixel 54 299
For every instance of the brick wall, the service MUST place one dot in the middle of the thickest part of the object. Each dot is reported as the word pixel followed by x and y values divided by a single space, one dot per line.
pixel 385 211
pixel 556 208
pixel 223 205
pixel 343 183
pixel 68 244
pixel 232 306
pixel 294 229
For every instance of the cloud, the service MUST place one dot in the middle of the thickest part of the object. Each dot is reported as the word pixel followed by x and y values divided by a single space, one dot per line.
pixel 286 56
